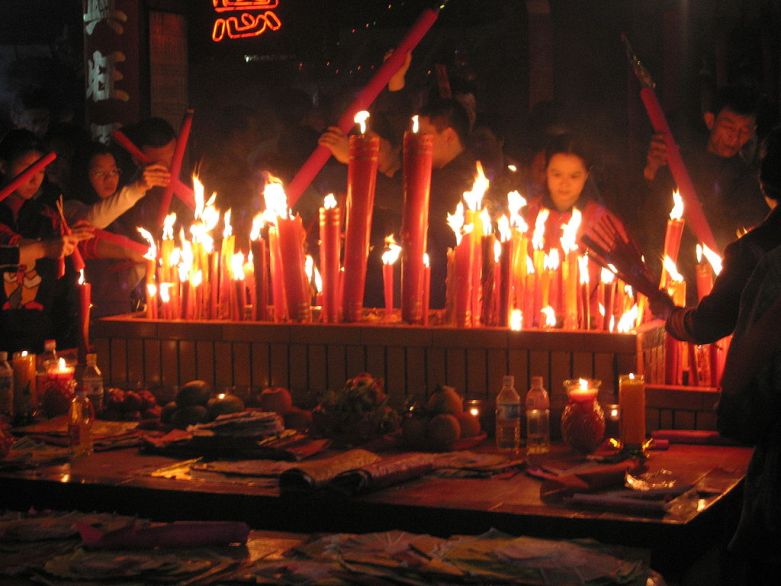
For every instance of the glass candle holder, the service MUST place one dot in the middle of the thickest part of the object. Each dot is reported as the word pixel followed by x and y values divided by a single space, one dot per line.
pixel 25 392
pixel 612 420
pixel 631 398
pixel 582 420
pixel 479 409
pixel 57 388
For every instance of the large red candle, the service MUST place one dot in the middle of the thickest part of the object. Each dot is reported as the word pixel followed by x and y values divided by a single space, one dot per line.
pixel 361 183
pixel 414 226
pixel 85 303
pixel 463 280
pixel 277 277
pixel 673 234
pixel 176 164
pixel 505 284
pixel 291 247
pixel 389 258
pixel 26 174
pixel 330 226
pixel 426 287
pixel 260 274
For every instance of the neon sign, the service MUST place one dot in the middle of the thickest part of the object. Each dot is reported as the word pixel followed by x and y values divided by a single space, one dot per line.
pixel 252 19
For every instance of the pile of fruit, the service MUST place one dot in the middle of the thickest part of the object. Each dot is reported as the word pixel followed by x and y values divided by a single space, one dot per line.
pixel 121 405
pixel 356 413
pixel 194 404
pixel 440 423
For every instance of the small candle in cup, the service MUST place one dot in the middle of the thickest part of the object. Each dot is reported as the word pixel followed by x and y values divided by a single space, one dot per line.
pixel 584 390
pixel 612 420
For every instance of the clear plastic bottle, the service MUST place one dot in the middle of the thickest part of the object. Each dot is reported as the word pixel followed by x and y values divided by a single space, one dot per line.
pixel 80 418
pixel 508 416
pixel 537 418
pixel 92 382
pixel 6 387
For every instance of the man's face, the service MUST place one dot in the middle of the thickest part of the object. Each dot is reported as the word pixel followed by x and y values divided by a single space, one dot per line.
pixel 33 184
pixel 729 132
pixel 163 154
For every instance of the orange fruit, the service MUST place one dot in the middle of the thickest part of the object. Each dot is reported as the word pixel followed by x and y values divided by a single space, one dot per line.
pixel 445 400
pixel 276 399
pixel 443 431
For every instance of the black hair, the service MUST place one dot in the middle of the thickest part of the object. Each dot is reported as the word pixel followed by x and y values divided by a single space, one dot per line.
pixel 18 142
pixel 568 144
pixel 770 166
pixel 151 132
pixel 448 113
pixel 31 98
pixel 740 99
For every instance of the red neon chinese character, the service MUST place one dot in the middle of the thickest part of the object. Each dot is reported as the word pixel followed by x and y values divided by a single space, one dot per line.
pixel 245 24
pixel 239 5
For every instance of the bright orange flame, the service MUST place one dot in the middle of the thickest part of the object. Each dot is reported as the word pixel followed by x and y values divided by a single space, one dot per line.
pixel 713 258
pixel 392 250
pixel 415 124
pixel 672 269
pixel 607 276
pixel 456 221
pixel 497 251
pixel 360 119
pixel 503 225
pixel 550 316
pixel 165 292
pixel 474 197
pixel 329 201
pixel 309 265
pixel 426 260
pixel 168 226
pixel 197 196
pixel 601 309
pixel 318 280
pixel 529 265
pixel 570 231
pixel 211 215
pixel 151 290
pixel 583 384
pixel 516 320
pixel 258 222
pixel 227 229
pixel 151 253
pixel 626 322
pixel 276 198
pixel 551 260
pixel 677 212
pixel 62 365
pixel 196 279
pixel 81 277
pixel 237 266
pixel 538 238
pixel 512 168
pixel 583 269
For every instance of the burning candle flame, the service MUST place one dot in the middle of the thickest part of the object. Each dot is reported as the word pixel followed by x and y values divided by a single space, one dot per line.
pixel 329 201
pixel 275 197
pixel 607 276
pixel 550 316
pixel 583 384
pixel 551 260
pixel 713 258
pixel 309 264
pixel 626 322
pixel 151 290
pixel 474 197
pixel 456 221
pixel 196 278
pixel 151 253
pixel 227 230
pixel 601 309
pixel 426 260
pixel 392 250
pixel 512 168
pixel 497 251
pixel 211 215
pixel 198 191
pixel 62 365
pixel 81 277
pixel 318 280
pixel 503 225
pixel 516 320
pixel 570 231
pixel 677 212
pixel 538 238
pixel 168 226
pixel 237 266
pixel 612 326
pixel 415 124
pixel 258 222
pixel 583 269
pixel 529 265
pixel 165 293
pixel 672 269
pixel 485 219
pixel 360 119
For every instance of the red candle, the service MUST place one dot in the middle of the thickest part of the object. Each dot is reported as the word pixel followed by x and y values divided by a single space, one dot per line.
pixel 361 183
pixel 26 174
pixel 259 274
pixel 226 253
pixel 704 275
pixel 569 270
pixel 389 258
pixel 330 225
pixel 585 293
pixel 291 247
pixel 530 301
pixel 214 280
pixel 673 234
pixel 239 287
pixel 607 286
pixel 426 287
pixel 176 164
pixel 414 226
pixel 463 279
pixel 85 303
pixel 277 277
pixel 506 277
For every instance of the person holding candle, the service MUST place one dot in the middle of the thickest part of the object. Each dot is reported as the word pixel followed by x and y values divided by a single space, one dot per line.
pixel 34 304
pixel 113 270
pixel 725 181
pixel 715 316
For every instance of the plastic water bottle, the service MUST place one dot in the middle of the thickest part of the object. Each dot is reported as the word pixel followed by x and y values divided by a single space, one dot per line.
pixel 6 387
pixel 81 415
pixel 537 418
pixel 92 382
pixel 508 416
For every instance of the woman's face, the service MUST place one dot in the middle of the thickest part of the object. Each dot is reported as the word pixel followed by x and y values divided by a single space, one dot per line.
pixel 567 175
pixel 33 184
pixel 103 175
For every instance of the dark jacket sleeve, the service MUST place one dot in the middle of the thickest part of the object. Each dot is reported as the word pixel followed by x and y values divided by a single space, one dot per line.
pixel 715 316
pixel 9 256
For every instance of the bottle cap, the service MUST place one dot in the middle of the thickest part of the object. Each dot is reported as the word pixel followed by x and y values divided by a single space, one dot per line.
pixel 49 345
pixel 537 382
pixel 3 356
pixel 92 359
pixel 508 380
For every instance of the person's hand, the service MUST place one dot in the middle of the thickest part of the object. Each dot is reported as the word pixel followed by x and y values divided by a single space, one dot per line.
pixel 155 175
pixel 661 305
pixel 398 80
pixel 656 157
pixel 63 246
pixel 337 142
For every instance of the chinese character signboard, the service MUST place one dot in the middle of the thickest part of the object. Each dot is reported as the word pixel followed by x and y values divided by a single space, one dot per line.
pixel 242 19
pixel 111 61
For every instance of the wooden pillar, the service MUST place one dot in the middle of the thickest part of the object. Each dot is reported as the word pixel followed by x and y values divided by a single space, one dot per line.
pixel 540 51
